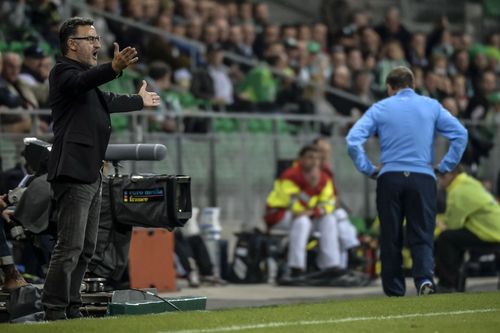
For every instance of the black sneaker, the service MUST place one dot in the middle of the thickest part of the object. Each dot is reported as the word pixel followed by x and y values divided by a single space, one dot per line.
pixel 426 288
pixel 51 315
pixel 443 289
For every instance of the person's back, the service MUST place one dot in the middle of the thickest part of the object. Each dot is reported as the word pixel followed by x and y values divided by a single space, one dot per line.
pixel 406 124
pixel 469 205
pixel 472 222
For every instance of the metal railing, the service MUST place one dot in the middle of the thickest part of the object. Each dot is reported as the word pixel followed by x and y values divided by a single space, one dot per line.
pixel 235 170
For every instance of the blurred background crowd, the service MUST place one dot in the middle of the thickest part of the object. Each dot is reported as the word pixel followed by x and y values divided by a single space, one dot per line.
pixel 231 56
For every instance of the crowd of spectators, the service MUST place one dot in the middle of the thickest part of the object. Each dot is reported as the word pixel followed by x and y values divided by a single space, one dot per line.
pixel 293 63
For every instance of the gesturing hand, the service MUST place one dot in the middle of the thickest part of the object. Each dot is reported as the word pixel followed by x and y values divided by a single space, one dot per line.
pixel 122 59
pixel 148 98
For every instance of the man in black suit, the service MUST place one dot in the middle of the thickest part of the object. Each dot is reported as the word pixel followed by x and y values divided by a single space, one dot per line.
pixel 82 128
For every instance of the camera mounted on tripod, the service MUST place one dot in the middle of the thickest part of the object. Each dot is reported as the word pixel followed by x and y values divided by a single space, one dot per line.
pixel 145 200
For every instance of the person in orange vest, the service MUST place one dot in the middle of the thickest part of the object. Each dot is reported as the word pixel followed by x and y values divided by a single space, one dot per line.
pixel 348 235
pixel 302 200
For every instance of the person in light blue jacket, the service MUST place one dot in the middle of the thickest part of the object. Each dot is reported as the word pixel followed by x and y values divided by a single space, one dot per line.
pixel 406 125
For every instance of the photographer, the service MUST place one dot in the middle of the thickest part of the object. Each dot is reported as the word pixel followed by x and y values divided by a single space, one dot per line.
pixel 12 277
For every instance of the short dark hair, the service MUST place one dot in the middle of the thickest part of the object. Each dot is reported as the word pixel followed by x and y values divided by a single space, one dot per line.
pixel 308 148
pixel 68 29
pixel 158 70
pixel 400 77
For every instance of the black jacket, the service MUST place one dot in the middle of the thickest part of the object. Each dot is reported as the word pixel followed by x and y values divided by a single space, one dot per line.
pixel 82 125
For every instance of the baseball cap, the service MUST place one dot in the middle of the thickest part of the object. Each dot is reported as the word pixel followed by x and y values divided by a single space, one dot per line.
pixel 34 51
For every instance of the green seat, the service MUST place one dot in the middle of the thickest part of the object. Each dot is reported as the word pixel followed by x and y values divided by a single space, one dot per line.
pixel 224 125
pixel 492 8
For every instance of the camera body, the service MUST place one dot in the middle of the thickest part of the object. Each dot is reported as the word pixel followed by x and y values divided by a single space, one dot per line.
pixel 152 201
pixel 161 201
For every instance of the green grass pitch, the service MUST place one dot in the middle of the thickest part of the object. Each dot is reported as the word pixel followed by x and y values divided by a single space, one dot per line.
pixel 470 312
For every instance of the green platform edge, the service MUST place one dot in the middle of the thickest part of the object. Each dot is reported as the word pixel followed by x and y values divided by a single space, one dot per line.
pixel 147 307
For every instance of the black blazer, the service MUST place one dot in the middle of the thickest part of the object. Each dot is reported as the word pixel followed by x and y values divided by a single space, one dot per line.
pixel 82 125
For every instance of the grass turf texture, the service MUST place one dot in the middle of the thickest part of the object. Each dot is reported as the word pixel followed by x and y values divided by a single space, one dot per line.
pixel 474 312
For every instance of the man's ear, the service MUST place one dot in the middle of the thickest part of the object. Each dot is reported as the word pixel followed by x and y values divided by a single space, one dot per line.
pixel 390 91
pixel 71 44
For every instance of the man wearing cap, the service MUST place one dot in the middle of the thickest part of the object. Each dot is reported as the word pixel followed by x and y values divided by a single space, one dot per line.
pixel 32 74
pixel 30 70
pixel 406 125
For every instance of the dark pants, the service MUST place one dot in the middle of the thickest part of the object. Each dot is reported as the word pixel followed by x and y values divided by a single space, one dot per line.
pixel 5 254
pixel 412 196
pixel 193 247
pixel 450 248
pixel 77 207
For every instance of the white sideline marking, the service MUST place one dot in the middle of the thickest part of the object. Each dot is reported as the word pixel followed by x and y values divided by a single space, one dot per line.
pixel 235 328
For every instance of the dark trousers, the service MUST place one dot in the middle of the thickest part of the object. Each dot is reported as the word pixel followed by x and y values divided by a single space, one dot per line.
pixel 450 248
pixel 77 206
pixel 412 196
pixel 5 254
pixel 193 247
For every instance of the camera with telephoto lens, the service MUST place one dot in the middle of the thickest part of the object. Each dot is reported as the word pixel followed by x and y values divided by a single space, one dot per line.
pixel 145 200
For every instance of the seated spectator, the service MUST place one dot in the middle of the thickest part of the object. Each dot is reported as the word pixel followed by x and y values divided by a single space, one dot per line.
pixel 355 59
pixel 30 69
pixel 392 56
pixel 12 278
pixel 416 53
pixel 314 99
pixel 159 81
pixel 459 92
pixel 261 16
pixel 460 63
pixel 268 36
pixel 431 85
pixel 261 87
pixel 338 57
pixel 193 261
pixel 248 38
pixel 45 18
pixel 212 82
pixel 245 12
pixel 444 45
pixel 393 29
pixel 301 201
pixel 182 90
pixel 210 35
pixel 14 93
pixel 472 220
pixel 478 105
pixel 35 73
pixel 362 86
pixel 11 73
pixel 174 98
pixel 342 80
pixel 348 235
pixel 194 28
pixel 450 104
pixel 13 18
pixel 100 23
pixel 370 41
